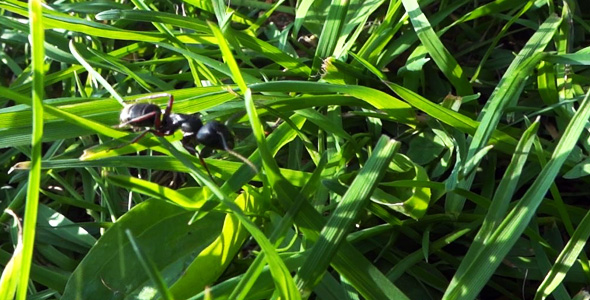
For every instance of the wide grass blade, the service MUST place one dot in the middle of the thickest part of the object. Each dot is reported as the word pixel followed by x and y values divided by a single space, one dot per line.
pixel 149 267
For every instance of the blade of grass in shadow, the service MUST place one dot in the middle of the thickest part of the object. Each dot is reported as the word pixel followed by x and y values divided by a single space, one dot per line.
pixel 469 284
pixel 32 204
pixel 498 36
pixel 441 56
pixel 193 64
pixel 345 214
pixel 262 47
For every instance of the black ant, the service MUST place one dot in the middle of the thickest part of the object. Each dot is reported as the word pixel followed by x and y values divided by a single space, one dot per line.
pixel 163 122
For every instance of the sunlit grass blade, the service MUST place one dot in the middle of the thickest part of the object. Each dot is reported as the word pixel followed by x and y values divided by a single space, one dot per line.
pixel 34 182
pixel 228 57
pixel 283 279
pixel 95 74
pixel 501 241
pixel 498 208
pixel 507 91
pixel 441 56
pixel 510 86
pixel 330 32
pixel 157 191
pixel 566 259
pixel 250 277
pixel 339 225
pixel 219 254
pixel 11 272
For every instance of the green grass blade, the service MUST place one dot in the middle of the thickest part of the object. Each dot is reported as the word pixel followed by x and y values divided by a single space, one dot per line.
pixel 507 233
pixel 566 259
pixel 32 204
pixel 334 233
pixel 330 32
pixel 157 191
pixel 510 85
pixel 228 57
pixel 95 74
pixel 441 56
pixel 497 38
pixel 499 206
pixel 253 273
pixel 11 272
pixel 283 279
pixel 219 254
pixel 507 91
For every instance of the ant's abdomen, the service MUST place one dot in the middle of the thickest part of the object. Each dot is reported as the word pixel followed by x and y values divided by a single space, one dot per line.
pixel 135 111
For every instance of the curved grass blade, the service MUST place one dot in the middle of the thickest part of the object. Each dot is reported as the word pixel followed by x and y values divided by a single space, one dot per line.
pixel 11 272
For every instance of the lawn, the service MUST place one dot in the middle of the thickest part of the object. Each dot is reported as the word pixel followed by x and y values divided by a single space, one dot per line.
pixel 250 149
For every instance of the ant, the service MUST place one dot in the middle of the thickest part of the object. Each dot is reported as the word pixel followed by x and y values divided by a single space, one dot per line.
pixel 163 122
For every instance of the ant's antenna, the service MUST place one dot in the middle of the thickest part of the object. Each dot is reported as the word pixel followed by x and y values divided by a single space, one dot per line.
pixel 236 154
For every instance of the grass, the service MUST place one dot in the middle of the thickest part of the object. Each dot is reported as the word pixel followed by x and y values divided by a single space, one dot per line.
pixel 400 150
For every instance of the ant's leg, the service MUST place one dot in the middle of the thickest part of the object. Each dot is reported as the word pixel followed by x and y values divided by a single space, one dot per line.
pixel 190 147
pixel 236 154
pixel 168 107
pixel 141 118
pixel 205 166
pixel 136 139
